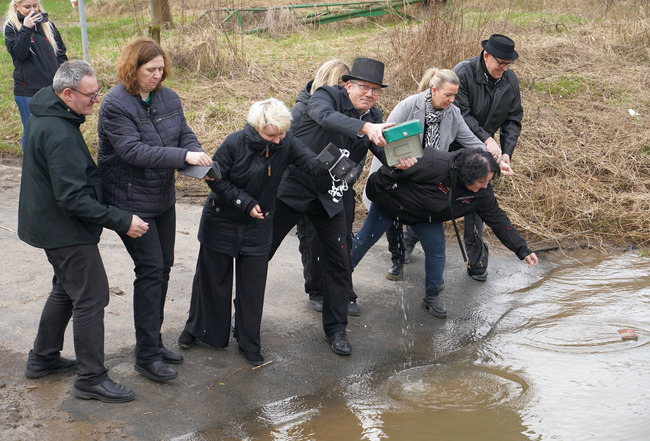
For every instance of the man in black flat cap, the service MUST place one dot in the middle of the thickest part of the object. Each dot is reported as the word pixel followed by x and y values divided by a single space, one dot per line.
pixel 347 117
pixel 489 100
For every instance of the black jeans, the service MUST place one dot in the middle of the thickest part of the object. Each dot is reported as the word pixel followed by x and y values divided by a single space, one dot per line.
pixel 332 233
pixel 79 290
pixel 153 256
pixel 311 252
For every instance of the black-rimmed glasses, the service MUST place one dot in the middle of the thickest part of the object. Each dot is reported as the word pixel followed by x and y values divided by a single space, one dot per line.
pixel 364 89
pixel 503 64
pixel 92 95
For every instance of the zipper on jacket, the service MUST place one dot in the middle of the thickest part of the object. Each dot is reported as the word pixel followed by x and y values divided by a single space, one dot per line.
pixel 268 165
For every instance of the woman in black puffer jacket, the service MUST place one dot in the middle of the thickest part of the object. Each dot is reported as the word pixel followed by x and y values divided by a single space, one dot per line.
pixel 36 49
pixel 237 229
pixel 143 138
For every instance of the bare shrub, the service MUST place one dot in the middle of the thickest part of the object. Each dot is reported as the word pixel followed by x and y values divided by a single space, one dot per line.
pixel 441 40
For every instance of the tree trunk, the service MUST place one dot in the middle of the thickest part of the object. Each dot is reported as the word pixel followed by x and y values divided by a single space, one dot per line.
pixel 160 13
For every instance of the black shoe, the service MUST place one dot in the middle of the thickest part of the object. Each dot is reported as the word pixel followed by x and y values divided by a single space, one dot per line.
pixel 186 340
pixel 434 305
pixel 108 392
pixel 339 342
pixel 479 277
pixel 157 370
pixel 316 302
pixel 63 364
pixel 395 272
pixel 353 308
pixel 171 357
pixel 254 358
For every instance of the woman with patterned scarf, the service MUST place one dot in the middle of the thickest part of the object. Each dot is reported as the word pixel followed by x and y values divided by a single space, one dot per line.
pixel 443 123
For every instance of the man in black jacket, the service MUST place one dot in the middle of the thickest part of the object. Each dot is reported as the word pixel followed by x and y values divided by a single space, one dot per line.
pixel 489 100
pixel 347 117
pixel 60 211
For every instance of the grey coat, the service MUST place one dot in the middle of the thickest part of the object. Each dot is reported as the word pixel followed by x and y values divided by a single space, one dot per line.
pixel 452 125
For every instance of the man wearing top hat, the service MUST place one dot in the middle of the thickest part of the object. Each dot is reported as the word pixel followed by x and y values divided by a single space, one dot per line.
pixel 489 100
pixel 347 117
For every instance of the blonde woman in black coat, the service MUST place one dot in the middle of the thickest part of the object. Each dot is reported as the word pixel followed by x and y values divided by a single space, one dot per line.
pixel 237 228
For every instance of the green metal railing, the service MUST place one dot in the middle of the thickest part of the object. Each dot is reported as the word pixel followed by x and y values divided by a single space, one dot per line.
pixel 319 13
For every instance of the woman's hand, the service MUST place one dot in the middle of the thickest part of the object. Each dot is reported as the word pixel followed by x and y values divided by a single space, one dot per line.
pixel 197 158
pixel 531 260
pixel 32 19
pixel 494 149
pixel 406 163
pixel 256 212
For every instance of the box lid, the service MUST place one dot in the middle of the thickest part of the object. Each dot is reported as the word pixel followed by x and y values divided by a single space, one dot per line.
pixel 403 130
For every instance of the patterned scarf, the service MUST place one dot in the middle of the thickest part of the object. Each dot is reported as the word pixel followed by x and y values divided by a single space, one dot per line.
pixel 432 119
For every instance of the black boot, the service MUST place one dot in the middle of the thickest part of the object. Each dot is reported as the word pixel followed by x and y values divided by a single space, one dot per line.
pixel 395 272
pixel 432 302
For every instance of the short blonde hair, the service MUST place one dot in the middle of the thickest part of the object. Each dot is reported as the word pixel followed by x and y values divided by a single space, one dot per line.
pixel 271 112
pixel 329 74
pixel 437 78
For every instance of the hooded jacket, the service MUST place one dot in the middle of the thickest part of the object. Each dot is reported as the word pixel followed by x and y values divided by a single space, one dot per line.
pixel 251 170
pixel 420 194
pixel 139 150
pixel 60 192
pixel 300 108
pixel 488 106
pixel 35 62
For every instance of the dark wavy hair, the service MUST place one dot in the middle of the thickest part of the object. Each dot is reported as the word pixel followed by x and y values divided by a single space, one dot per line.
pixel 475 164
pixel 136 53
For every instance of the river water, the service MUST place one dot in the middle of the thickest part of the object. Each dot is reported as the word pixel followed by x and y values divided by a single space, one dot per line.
pixel 553 367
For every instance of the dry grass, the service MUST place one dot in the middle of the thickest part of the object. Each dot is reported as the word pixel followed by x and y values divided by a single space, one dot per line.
pixel 582 160
pixel 582 164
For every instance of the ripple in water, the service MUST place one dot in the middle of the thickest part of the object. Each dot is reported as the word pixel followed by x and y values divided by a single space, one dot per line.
pixel 458 386
pixel 582 336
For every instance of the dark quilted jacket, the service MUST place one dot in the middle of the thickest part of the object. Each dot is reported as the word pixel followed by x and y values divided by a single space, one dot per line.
pixel 139 150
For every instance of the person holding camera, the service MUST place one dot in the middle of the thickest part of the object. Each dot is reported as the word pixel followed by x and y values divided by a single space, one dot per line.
pixel 345 116
pixel 235 229
pixel 36 49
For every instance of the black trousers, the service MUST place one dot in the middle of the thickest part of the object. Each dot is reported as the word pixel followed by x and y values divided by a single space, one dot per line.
pixel 311 252
pixel 332 233
pixel 395 237
pixel 80 291
pixel 470 221
pixel 210 306
pixel 153 256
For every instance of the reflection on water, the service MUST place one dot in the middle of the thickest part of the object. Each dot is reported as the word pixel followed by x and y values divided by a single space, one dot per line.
pixel 553 367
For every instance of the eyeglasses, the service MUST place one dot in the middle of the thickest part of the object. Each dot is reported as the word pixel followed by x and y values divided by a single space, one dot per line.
pixel 503 64
pixel 92 95
pixel 364 89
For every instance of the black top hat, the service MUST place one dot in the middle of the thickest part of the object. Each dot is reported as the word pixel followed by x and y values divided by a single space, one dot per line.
pixel 500 46
pixel 367 69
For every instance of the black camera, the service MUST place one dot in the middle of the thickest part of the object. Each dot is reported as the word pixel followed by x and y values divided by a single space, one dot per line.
pixel 44 17
pixel 337 162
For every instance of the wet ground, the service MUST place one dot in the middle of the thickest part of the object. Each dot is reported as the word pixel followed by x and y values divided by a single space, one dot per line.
pixel 530 354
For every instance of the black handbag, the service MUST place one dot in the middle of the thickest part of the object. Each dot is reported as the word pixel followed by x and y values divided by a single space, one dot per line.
pixel 341 167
